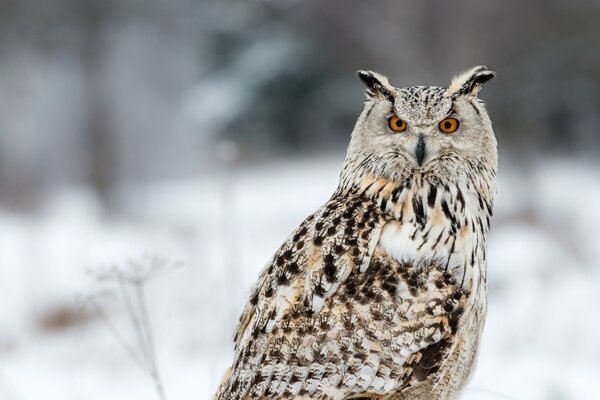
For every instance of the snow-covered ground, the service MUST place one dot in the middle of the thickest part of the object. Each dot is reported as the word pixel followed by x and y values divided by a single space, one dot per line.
pixel 540 342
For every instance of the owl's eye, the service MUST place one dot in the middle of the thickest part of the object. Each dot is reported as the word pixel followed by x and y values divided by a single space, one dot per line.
pixel 396 124
pixel 448 125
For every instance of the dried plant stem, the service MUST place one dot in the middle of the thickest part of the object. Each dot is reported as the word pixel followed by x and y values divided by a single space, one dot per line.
pixel 130 290
pixel 147 333
pixel 117 335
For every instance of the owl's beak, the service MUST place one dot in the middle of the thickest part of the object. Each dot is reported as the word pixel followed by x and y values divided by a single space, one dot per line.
pixel 420 150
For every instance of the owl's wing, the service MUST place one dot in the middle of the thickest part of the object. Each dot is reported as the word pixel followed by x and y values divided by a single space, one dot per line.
pixel 309 267
pixel 324 317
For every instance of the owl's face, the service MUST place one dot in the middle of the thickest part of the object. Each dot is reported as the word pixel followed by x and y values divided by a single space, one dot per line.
pixel 423 128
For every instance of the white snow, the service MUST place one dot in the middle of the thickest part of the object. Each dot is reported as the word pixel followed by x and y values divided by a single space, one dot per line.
pixel 541 337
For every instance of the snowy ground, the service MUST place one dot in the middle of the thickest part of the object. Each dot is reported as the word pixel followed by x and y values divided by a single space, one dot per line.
pixel 540 342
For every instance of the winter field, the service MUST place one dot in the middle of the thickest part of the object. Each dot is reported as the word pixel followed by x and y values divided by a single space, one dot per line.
pixel 65 332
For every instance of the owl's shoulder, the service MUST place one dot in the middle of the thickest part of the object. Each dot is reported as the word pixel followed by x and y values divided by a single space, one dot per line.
pixel 320 253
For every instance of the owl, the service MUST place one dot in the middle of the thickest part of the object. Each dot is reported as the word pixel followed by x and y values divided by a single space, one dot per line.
pixel 381 293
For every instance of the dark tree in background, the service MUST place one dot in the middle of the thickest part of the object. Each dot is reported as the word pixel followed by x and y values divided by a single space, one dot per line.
pixel 100 142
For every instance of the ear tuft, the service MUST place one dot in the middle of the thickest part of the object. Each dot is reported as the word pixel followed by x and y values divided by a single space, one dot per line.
pixel 377 84
pixel 469 83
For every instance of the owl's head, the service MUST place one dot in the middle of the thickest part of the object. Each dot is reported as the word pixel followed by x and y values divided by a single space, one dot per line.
pixel 422 129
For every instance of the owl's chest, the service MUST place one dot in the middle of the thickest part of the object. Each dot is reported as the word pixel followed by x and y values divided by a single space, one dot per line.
pixel 444 229
pixel 408 242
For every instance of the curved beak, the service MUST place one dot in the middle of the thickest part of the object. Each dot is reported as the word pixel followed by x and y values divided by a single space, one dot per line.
pixel 420 150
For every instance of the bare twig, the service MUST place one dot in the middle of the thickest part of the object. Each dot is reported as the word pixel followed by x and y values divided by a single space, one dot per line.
pixel 147 333
pixel 130 350
pixel 129 286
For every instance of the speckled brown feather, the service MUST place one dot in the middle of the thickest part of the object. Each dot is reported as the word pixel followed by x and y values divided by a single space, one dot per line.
pixel 392 318
pixel 292 296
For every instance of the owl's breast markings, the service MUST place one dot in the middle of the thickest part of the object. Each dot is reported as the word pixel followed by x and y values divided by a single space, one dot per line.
pixel 431 224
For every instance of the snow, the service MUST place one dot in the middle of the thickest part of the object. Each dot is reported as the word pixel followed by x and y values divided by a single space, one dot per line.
pixel 540 340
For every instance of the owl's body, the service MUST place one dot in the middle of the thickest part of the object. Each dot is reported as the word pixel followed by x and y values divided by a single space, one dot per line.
pixel 381 294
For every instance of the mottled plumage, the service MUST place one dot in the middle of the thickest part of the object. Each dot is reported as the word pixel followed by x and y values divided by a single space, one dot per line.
pixel 381 294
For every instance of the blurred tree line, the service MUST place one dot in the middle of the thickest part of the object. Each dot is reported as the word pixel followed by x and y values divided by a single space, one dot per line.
pixel 107 93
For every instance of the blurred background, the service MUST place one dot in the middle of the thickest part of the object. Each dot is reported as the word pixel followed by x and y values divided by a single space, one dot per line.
pixel 200 133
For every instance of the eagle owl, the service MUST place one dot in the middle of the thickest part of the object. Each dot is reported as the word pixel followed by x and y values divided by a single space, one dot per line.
pixel 381 293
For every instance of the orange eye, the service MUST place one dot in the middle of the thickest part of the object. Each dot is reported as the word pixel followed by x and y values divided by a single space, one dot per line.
pixel 396 124
pixel 449 125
